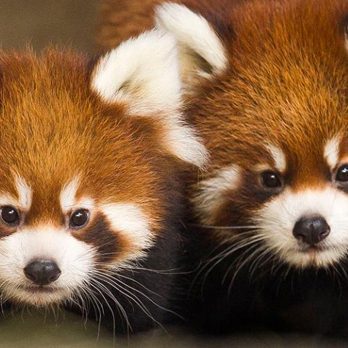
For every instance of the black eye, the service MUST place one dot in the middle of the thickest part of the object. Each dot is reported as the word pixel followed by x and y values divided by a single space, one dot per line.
pixel 271 179
pixel 342 173
pixel 79 218
pixel 10 215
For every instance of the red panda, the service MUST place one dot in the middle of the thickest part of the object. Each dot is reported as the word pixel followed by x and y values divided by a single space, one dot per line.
pixel 91 191
pixel 269 98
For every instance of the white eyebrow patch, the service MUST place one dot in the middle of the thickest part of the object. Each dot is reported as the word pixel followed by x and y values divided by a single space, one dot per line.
pixel 278 157
pixel 129 219
pixel 68 194
pixel 68 199
pixel 331 151
pixel 25 193
pixel 211 192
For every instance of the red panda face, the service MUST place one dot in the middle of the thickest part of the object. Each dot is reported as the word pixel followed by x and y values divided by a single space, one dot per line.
pixel 84 177
pixel 274 120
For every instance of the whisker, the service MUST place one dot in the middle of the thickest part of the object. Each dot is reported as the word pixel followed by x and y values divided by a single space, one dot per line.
pixel 227 227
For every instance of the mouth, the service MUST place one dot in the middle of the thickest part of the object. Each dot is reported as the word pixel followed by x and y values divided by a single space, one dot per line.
pixel 313 249
pixel 37 289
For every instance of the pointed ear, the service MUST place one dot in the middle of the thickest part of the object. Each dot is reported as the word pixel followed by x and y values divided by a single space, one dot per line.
pixel 143 74
pixel 201 51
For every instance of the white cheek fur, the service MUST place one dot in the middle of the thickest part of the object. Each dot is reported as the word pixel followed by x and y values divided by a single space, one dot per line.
pixel 211 192
pixel 74 258
pixel 277 219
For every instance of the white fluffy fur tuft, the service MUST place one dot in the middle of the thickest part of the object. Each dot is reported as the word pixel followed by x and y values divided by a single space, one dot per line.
pixel 142 72
pixel 194 33
pixel 183 142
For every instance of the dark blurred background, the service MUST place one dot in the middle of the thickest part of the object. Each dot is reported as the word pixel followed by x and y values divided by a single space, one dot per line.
pixel 41 22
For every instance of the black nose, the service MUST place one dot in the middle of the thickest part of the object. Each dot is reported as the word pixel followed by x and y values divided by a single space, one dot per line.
pixel 311 230
pixel 42 272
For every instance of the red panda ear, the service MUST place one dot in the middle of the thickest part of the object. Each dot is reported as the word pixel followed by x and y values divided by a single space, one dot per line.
pixel 201 51
pixel 143 74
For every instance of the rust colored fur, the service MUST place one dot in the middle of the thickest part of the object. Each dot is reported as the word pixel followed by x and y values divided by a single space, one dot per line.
pixel 49 153
pixel 278 71
pixel 285 84
pixel 120 20
pixel 54 128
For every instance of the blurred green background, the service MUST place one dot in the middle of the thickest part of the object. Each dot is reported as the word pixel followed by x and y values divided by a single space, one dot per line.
pixel 40 22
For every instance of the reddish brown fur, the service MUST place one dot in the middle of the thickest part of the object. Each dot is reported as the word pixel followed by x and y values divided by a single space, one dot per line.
pixel 120 20
pixel 53 128
pixel 286 82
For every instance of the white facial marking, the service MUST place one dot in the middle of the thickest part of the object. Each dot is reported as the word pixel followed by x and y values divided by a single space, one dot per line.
pixel 25 193
pixel 278 217
pixel 331 152
pixel 68 194
pixel 278 157
pixel 68 199
pixel 193 32
pixel 74 258
pixel 211 192
pixel 130 220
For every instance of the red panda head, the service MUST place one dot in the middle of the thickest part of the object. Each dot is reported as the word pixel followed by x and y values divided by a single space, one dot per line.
pixel 86 161
pixel 272 107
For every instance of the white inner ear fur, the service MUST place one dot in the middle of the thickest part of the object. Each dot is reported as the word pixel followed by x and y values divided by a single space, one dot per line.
pixel 194 34
pixel 143 73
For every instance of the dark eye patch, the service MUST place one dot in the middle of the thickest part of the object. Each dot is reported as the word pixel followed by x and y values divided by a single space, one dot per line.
pixel 100 235
pixel 242 203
